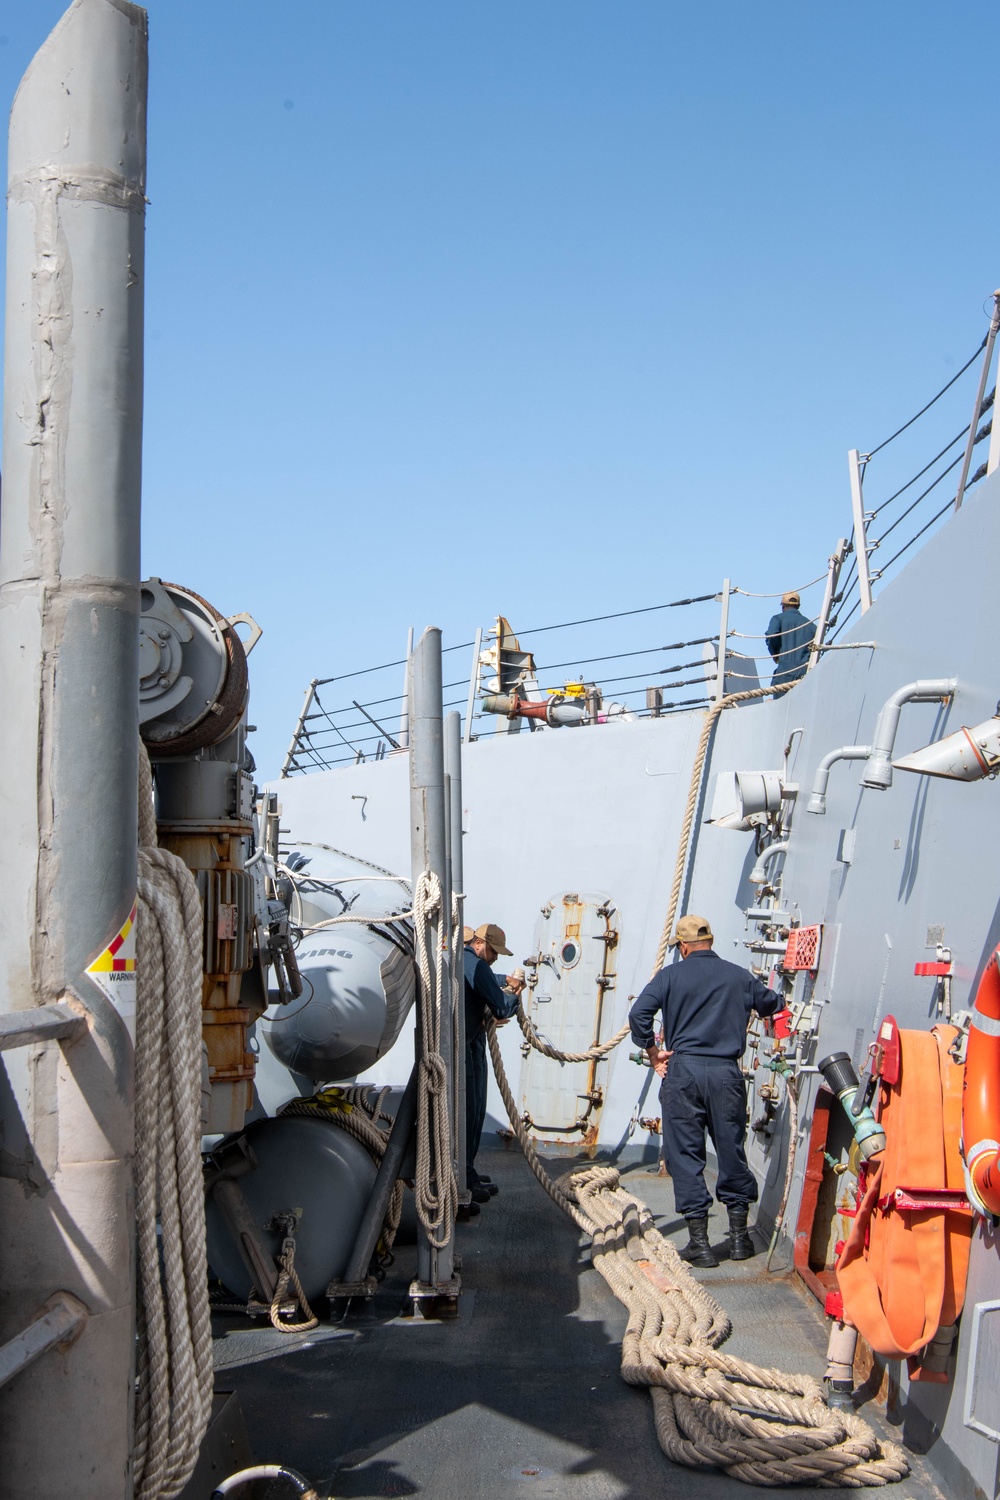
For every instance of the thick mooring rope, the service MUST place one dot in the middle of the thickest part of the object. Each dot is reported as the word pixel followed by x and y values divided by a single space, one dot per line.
pixel 175 1377
pixel 690 807
pixel 710 1410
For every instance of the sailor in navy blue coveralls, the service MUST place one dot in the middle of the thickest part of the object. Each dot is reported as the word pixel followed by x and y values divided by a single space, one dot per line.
pixel 705 1004
pixel 483 992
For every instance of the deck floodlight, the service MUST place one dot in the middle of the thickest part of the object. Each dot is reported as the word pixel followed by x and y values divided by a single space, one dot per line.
pixel 746 799
pixel 758 792
pixel 966 755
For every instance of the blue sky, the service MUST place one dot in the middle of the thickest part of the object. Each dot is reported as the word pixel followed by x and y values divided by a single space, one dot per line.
pixel 548 307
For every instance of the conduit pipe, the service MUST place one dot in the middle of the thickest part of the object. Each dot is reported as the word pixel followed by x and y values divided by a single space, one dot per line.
pixel 817 799
pixel 69 685
pixel 758 875
pixel 878 771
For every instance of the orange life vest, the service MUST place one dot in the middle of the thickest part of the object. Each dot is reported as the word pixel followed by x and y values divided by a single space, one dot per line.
pixel 903 1270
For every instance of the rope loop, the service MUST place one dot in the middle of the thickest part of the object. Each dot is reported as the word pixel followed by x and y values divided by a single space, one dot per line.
pixel 435 1188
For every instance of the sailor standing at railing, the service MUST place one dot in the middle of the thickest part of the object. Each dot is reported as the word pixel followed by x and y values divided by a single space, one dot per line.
pixel 706 1003
pixel 789 636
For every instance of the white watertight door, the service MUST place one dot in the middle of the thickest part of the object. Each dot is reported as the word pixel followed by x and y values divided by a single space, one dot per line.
pixel 570 1002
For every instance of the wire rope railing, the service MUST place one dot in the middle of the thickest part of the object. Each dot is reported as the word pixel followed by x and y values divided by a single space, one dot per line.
pixel 337 728
pixel 873 561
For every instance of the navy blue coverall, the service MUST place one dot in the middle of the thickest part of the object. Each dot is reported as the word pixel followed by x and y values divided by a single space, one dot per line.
pixel 482 992
pixel 706 1004
pixel 788 637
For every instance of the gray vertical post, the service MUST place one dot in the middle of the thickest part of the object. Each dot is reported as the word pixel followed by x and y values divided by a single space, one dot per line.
pixel 69 640
pixel 453 776
pixel 477 646
pixel 429 851
pixel 720 676
pixel 293 748
pixel 832 579
pixel 977 410
pixel 860 530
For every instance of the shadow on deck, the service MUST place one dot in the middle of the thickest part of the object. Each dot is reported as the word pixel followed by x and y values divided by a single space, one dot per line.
pixel 520 1396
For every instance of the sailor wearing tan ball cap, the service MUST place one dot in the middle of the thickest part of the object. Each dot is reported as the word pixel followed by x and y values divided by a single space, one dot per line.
pixel 705 1004
pixel 789 635
pixel 483 992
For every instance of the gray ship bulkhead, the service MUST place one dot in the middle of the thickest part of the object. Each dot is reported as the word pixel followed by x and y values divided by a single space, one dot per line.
pixel 887 872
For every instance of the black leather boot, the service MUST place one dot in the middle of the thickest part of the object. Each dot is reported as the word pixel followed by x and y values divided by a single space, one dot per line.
pixel 741 1246
pixel 697 1251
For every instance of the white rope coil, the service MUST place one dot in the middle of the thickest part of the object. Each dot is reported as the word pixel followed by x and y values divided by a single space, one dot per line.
pixel 174 1375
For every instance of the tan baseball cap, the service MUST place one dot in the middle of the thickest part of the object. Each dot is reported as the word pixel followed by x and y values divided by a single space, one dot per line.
pixel 495 936
pixel 792 599
pixel 468 933
pixel 691 929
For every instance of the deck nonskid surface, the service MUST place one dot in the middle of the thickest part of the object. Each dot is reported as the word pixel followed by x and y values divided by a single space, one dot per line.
pixel 519 1397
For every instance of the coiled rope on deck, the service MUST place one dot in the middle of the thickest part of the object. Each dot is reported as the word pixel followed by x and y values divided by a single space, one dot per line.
pixel 174 1374
pixel 710 1410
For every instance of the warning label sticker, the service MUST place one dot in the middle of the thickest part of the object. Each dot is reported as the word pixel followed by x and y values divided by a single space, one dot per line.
pixel 113 971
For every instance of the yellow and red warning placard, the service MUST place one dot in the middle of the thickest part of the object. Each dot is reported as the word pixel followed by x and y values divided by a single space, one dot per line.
pixel 113 971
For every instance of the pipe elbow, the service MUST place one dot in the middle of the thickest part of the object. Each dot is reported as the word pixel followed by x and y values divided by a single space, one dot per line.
pixel 758 875
pixel 878 771
pixel 817 799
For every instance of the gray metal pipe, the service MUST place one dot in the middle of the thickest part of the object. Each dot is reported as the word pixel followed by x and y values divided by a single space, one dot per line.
pixel 878 771
pixel 817 799
pixel 453 776
pixel 429 851
pixel 758 875
pixel 69 608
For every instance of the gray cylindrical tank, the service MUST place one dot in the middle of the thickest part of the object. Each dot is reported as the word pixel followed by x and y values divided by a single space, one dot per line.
pixel 358 983
pixel 304 1166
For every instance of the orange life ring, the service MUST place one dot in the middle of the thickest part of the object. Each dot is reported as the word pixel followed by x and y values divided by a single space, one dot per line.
pixel 981 1097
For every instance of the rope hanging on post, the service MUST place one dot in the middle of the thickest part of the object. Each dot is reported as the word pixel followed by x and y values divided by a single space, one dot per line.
pixel 435 1188
pixel 174 1374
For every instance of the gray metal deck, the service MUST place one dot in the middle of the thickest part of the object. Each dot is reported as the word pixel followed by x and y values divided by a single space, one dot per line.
pixel 521 1396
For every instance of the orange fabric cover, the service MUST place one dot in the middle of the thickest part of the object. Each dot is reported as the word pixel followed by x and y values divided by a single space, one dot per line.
pixel 902 1272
